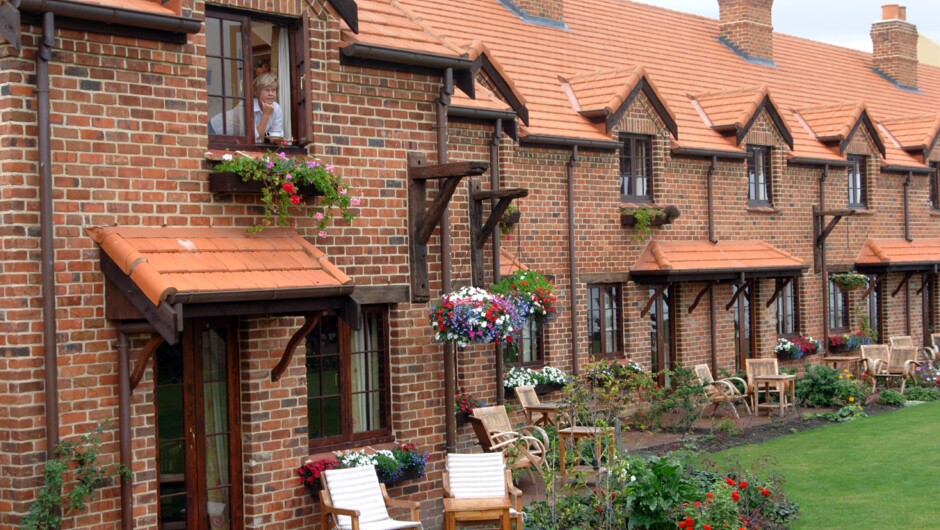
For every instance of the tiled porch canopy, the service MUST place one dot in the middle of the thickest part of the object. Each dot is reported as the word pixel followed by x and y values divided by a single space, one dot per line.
pixel 898 255
pixel 508 263
pixel 164 274
pixel 692 261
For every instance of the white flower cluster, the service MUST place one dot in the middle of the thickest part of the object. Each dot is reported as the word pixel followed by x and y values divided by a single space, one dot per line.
pixel 550 374
pixel 519 377
pixel 356 458
pixel 784 347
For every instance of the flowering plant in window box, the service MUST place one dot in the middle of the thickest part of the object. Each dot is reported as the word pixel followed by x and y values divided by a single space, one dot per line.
pixel 472 315
pixel 549 378
pixel 785 349
pixel 463 407
pixel 850 281
pixel 284 180
pixel 311 471
pixel 403 462
pixel 532 294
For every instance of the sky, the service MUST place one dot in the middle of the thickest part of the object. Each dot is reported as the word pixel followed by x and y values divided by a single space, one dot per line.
pixel 842 22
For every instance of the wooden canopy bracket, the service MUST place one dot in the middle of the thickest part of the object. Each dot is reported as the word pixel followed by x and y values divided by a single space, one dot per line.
pixel 907 278
pixel 481 231
pixel 423 219
pixel 872 284
pixel 310 320
pixel 705 290
pixel 820 234
pixel 143 358
pixel 649 303
pixel 780 287
pixel 923 282
pixel 167 320
pixel 737 294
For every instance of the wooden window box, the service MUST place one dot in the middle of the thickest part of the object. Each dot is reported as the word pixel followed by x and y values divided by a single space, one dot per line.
pixel 232 183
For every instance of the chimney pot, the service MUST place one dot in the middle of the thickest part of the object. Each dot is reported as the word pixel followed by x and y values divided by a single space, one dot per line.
pixel 893 12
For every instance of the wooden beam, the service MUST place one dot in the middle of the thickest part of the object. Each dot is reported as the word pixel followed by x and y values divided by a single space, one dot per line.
pixel 143 358
pixel 737 294
pixel 872 284
pixel 496 213
pixel 431 217
pixel 449 170
pixel 508 193
pixel 923 282
pixel 780 287
pixel 907 278
pixel 649 303
pixel 705 290
pixel 821 238
pixel 381 294
pixel 310 320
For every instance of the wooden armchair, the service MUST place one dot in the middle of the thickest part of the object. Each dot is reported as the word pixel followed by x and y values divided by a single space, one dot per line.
pixel 903 359
pixel 906 342
pixel 523 448
pixel 548 412
pixel 478 480
pixel 722 390
pixel 933 348
pixel 353 498
pixel 755 368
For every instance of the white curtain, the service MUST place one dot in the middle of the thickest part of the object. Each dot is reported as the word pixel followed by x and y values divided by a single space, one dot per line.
pixel 365 372
pixel 215 390
pixel 284 68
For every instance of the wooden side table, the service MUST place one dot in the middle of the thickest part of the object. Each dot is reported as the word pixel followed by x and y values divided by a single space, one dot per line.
pixel 783 385
pixel 547 413
pixel 477 510
pixel 853 362
pixel 575 433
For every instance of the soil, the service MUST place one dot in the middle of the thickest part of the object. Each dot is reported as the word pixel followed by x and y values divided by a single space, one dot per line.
pixel 752 431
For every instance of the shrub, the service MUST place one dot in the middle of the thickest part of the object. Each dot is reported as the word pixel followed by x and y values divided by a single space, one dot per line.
pixel 848 390
pixel 684 397
pixel 816 387
pixel 846 413
pixel 920 393
pixel 892 398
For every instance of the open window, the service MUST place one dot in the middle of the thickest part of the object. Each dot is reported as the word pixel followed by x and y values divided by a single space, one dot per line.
pixel 759 176
pixel 858 181
pixel 239 48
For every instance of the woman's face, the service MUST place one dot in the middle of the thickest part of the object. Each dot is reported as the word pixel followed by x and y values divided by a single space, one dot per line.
pixel 268 95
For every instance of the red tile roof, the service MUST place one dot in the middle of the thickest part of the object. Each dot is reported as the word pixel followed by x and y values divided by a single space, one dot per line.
pixel 155 7
pixel 508 263
pixel 704 257
pixel 180 264
pixel 731 109
pixel 899 252
pixel 915 133
pixel 679 52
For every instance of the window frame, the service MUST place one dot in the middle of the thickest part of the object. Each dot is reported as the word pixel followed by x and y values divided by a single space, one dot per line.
pixel 783 319
pixel 836 294
pixel 857 174
pixel 629 141
pixel 874 302
pixel 297 62
pixel 539 337
pixel 766 167
pixel 663 312
pixel 347 438
pixel 744 313
pixel 605 352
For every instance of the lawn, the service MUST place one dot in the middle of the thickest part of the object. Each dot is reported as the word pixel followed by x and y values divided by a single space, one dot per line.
pixel 880 472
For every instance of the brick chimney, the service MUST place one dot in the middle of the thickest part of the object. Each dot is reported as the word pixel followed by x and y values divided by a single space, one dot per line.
pixel 894 46
pixel 552 10
pixel 746 26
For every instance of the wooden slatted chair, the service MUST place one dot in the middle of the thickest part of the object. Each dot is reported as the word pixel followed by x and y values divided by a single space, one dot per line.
pixel 531 405
pixel 722 390
pixel 758 367
pixel 482 476
pixel 903 359
pixel 523 448
pixel 934 347
pixel 353 499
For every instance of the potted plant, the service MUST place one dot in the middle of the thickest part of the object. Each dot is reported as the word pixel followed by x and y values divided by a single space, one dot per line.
pixel 463 406
pixel 850 281
pixel 532 294
pixel 474 316
pixel 403 462
pixel 544 381
pixel 510 217
pixel 311 471
pixel 641 218
pixel 785 349
pixel 284 180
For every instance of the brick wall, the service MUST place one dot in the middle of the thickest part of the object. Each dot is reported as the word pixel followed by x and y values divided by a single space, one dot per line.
pixel 747 25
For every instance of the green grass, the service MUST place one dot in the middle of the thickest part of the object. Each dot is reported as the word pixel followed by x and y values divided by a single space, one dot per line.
pixel 880 472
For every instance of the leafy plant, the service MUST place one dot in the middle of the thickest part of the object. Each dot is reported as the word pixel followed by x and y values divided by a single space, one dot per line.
pixel 846 413
pixel 532 294
pixel 505 226
pixel 311 471
pixel 892 398
pixel 76 460
pixel 850 281
pixel 920 393
pixel 643 217
pixel 466 403
pixel 282 178
pixel 402 462
pixel 816 387
pixel 683 398
pixel 848 390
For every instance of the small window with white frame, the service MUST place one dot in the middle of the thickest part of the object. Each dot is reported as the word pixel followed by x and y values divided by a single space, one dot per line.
pixel 759 173
pixel 636 168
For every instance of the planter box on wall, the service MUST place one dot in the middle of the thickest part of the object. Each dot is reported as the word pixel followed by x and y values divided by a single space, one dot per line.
pixel 669 214
pixel 232 183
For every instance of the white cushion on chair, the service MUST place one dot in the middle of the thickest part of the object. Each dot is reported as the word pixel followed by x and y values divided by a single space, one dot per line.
pixel 356 488
pixel 476 475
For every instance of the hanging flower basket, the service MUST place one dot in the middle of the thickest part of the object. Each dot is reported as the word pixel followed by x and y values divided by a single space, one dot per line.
pixel 850 281
pixel 532 294
pixel 475 316
pixel 509 219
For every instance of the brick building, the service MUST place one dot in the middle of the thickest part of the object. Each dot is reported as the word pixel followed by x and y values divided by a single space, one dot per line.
pixel 785 158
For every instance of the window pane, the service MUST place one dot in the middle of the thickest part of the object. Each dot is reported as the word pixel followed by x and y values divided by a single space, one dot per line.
pixel 641 162
pixel 594 320
pixel 232 39
pixel 172 459
pixel 170 410
pixel 217 509
pixel 213 37
pixel 169 364
pixel 626 167
pixel 217 460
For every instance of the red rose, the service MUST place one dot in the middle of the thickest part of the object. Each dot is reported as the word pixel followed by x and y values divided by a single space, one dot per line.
pixel 765 492
pixel 706 527
pixel 743 484
pixel 735 496
pixel 295 199
pixel 731 481
pixel 288 187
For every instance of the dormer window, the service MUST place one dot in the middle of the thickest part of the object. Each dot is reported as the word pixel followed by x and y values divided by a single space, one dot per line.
pixel 636 168
pixel 758 176
pixel 858 181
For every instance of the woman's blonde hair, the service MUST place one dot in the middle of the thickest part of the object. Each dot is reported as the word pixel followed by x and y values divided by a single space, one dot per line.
pixel 264 81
